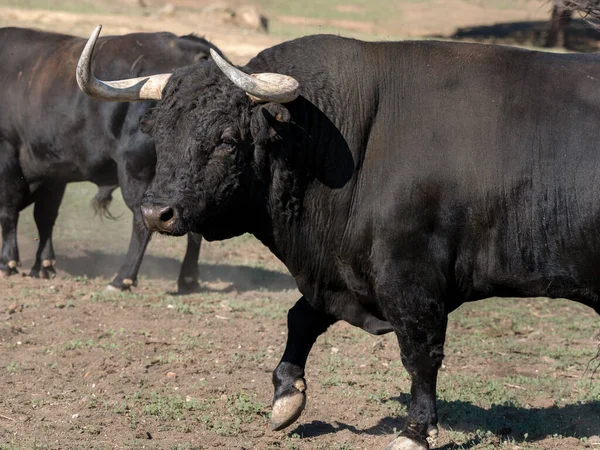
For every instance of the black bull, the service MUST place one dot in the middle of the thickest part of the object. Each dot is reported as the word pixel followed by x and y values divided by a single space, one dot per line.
pixel 52 134
pixel 405 179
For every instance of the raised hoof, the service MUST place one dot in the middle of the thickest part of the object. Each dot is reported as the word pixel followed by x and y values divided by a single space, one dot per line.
pixel 286 410
pixel 405 443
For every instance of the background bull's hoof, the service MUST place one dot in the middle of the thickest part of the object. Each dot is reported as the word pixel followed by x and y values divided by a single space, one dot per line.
pixel 188 285
pixel 287 409
pixel 9 269
pixel 45 273
pixel 121 285
pixel 406 443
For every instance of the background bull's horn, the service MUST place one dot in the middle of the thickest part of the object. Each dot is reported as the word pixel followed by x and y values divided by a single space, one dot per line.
pixel 261 87
pixel 132 89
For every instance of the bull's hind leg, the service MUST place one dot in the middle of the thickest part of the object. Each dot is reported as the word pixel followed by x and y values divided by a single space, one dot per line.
pixel 47 201
pixel 305 325
pixel 419 320
pixel 188 275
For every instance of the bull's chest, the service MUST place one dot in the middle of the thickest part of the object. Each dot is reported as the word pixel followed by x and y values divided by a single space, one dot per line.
pixel 344 294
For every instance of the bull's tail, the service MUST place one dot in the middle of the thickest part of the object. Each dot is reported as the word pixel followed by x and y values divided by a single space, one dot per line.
pixel 102 200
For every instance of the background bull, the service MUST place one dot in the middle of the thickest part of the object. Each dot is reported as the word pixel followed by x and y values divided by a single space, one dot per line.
pixel 396 181
pixel 562 12
pixel 52 134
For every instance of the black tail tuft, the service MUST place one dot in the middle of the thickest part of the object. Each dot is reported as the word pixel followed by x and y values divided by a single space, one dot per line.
pixel 102 200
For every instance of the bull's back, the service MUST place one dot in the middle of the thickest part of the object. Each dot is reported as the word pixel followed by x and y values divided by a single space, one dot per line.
pixel 22 51
pixel 495 154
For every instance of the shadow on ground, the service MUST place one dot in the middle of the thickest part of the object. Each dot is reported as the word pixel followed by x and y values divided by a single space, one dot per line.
pixel 581 36
pixel 242 278
pixel 518 423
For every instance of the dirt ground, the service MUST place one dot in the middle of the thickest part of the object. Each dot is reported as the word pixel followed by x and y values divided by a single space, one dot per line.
pixel 84 368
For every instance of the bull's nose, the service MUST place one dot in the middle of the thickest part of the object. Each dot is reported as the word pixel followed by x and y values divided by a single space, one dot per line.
pixel 159 218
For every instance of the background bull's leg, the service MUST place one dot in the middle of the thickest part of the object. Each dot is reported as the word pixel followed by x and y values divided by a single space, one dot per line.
pixel 188 275
pixel 128 272
pixel 419 321
pixel 132 188
pixel 13 194
pixel 305 325
pixel 559 24
pixel 47 201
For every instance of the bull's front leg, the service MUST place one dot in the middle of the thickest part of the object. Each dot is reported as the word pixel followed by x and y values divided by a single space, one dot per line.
pixel 305 325
pixel 419 321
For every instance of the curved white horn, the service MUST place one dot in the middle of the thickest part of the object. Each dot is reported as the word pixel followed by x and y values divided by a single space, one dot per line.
pixel 132 89
pixel 260 87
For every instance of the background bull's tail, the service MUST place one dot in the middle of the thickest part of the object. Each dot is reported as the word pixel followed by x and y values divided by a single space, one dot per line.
pixel 102 200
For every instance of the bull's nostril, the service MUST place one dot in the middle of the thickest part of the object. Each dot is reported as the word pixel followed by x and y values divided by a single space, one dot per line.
pixel 167 215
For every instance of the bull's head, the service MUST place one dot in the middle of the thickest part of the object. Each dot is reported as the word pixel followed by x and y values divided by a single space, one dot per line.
pixel 210 137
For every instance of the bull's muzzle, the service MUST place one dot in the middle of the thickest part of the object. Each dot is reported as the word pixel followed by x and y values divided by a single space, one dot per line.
pixel 159 218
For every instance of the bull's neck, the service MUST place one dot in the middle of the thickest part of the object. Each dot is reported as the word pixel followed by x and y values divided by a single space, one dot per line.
pixel 310 187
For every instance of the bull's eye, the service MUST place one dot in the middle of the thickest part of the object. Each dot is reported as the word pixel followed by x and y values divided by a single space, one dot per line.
pixel 228 137
pixel 229 140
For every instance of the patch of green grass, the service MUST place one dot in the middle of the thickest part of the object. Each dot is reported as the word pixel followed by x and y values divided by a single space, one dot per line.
pixel 384 14
pixel 75 344
pixel 244 406
pixel 373 10
pixel 72 6
pixel 177 304
pixel 263 308
pixel 13 367
pixel 66 304
pixel 170 407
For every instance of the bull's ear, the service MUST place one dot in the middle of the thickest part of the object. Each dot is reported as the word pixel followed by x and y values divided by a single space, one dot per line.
pixel 147 121
pixel 270 122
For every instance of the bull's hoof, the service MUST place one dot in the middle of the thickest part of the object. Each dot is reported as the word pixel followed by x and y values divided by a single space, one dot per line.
pixel 47 271
pixel 406 443
pixel 288 408
pixel 432 434
pixel 119 285
pixel 188 285
pixel 9 269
